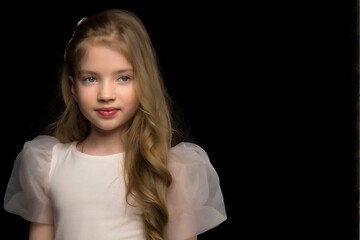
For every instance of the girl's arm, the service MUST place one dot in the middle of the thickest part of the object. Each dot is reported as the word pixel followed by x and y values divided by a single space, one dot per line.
pixel 192 238
pixel 40 231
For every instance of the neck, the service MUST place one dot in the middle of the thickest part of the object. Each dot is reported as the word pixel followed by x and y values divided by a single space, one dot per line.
pixel 104 142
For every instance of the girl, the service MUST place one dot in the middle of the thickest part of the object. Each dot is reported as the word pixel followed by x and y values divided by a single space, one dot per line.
pixel 112 167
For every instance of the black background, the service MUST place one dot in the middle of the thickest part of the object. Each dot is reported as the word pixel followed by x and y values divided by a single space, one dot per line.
pixel 193 46
pixel 269 90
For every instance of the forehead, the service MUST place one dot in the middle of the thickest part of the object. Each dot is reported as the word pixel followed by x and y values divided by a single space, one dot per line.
pixel 104 58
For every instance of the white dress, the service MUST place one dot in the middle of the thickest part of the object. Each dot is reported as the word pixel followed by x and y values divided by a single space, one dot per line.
pixel 84 195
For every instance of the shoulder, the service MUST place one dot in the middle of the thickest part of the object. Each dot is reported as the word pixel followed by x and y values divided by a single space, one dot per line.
pixel 187 152
pixel 38 149
pixel 188 162
pixel 189 156
pixel 43 142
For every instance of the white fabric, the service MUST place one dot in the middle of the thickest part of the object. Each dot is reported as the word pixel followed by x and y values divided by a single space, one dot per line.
pixel 195 201
pixel 83 195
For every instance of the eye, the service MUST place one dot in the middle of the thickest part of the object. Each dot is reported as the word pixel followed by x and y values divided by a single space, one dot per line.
pixel 90 79
pixel 124 78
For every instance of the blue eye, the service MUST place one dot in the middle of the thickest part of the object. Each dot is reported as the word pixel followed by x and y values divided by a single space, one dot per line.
pixel 90 79
pixel 124 78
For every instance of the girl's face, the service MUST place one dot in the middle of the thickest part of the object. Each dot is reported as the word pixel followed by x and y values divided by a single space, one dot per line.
pixel 104 88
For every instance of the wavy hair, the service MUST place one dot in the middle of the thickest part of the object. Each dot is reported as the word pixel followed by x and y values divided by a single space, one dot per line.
pixel 149 133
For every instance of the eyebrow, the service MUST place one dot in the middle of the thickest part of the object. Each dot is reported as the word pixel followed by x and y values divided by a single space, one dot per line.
pixel 81 72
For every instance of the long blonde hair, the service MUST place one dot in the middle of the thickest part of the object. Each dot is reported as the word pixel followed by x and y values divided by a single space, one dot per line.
pixel 149 132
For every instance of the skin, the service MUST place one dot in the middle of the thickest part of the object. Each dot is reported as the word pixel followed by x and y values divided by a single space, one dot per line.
pixel 105 79
pixel 39 231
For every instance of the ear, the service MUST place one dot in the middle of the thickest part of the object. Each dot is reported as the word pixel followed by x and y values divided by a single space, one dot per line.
pixel 73 88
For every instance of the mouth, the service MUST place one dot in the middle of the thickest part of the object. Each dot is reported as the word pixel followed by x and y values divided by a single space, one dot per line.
pixel 107 112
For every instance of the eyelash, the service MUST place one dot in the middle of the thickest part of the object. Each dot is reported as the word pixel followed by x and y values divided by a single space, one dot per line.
pixel 121 78
pixel 125 76
pixel 86 79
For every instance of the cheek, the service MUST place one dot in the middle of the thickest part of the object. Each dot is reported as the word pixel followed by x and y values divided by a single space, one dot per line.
pixel 130 99
pixel 85 97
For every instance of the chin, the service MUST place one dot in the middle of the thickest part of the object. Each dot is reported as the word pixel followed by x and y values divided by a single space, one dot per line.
pixel 107 127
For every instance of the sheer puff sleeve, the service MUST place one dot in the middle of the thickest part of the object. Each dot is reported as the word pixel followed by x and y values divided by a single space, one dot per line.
pixel 195 201
pixel 26 194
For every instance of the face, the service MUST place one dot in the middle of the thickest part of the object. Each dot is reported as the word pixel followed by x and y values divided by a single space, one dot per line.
pixel 104 88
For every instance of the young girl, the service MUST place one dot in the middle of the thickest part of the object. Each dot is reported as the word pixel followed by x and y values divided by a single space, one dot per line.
pixel 112 168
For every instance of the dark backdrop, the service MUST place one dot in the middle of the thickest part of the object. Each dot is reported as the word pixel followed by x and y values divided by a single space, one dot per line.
pixel 193 45
pixel 268 89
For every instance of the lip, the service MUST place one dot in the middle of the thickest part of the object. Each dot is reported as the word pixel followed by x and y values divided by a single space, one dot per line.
pixel 107 111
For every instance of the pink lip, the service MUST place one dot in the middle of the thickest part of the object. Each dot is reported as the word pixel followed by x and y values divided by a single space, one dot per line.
pixel 107 112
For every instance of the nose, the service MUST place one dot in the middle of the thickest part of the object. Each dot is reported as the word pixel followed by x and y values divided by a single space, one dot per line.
pixel 106 91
